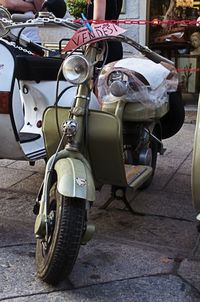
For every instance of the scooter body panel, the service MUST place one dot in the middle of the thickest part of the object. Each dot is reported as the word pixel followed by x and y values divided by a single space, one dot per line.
pixel 74 179
pixel 104 143
pixel 196 163
pixel 137 112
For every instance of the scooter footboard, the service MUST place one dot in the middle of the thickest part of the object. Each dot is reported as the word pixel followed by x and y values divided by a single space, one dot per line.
pixel 74 179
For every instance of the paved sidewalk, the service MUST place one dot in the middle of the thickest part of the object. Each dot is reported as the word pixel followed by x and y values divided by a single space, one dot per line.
pixel 155 257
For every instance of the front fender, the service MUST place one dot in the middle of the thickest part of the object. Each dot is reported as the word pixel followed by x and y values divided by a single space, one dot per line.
pixel 196 163
pixel 74 179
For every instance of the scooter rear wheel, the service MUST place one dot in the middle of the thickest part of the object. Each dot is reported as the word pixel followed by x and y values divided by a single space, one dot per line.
pixel 56 257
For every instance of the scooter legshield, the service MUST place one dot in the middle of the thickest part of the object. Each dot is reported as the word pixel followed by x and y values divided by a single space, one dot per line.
pixel 74 179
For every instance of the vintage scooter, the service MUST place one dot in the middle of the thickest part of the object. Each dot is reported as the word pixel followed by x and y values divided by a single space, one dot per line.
pixel 86 148
pixel 27 87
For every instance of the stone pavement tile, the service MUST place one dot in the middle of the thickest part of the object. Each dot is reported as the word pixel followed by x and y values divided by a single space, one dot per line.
pixel 165 169
pixel 189 270
pixel 190 156
pixel 6 162
pixel 104 260
pixel 173 205
pixel 16 205
pixel 13 232
pixel 162 233
pixel 16 218
pixel 17 221
pixel 98 262
pixel 160 179
pixel 179 184
pixel 9 177
pixel 17 272
pixel 181 143
pixel 147 289
pixel 186 167
pixel 24 165
pixel 168 164
pixel 178 149
pixel 30 184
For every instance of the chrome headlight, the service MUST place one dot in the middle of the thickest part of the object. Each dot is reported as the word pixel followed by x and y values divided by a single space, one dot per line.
pixel 118 83
pixel 76 69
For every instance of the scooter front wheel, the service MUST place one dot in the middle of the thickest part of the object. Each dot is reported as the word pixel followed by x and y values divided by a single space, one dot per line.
pixel 55 257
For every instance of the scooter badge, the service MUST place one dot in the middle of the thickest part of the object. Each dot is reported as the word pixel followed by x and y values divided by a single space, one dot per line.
pixel 81 181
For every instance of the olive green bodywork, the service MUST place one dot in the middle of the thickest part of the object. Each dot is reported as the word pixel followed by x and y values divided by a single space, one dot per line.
pixel 104 140
pixel 138 112
pixel 77 176
pixel 196 163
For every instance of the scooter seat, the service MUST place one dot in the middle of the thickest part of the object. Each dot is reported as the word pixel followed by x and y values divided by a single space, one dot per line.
pixel 34 68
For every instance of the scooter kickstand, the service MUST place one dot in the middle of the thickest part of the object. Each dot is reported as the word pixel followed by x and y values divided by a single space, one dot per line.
pixel 108 202
pixel 119 193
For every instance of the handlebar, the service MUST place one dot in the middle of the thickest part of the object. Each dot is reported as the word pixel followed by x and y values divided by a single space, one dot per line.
pixel 35 48
pixel 156 58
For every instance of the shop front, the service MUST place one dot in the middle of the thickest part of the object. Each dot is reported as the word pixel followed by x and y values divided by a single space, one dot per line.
pixel 178 40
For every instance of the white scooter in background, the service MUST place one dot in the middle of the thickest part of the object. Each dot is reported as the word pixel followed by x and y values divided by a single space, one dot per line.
pixel 27 87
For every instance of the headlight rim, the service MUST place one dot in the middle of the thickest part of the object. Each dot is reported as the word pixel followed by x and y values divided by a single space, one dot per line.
pixel 87 73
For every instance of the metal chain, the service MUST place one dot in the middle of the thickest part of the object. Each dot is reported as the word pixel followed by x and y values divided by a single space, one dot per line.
pixel 14 45
pixel 6 21
pixel 40 21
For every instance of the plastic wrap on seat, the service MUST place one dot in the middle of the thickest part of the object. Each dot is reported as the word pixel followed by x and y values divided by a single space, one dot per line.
pixel 137 79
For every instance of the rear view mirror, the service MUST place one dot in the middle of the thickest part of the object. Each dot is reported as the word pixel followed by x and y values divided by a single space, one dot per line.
pixel 4 14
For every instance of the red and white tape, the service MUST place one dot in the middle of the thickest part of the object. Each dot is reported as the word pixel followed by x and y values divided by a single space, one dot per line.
pixel 144 22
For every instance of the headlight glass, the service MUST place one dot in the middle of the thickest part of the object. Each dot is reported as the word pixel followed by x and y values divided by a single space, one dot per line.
pixel 76 69
pixel 118 83
pixel 115 76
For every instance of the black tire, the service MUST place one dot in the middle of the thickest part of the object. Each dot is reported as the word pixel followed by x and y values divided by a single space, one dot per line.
pixel 56 261
pixel 173 121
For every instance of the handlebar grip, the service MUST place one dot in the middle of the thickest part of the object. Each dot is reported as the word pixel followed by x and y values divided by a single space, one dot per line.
pixel 22 17
pixel 35 48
